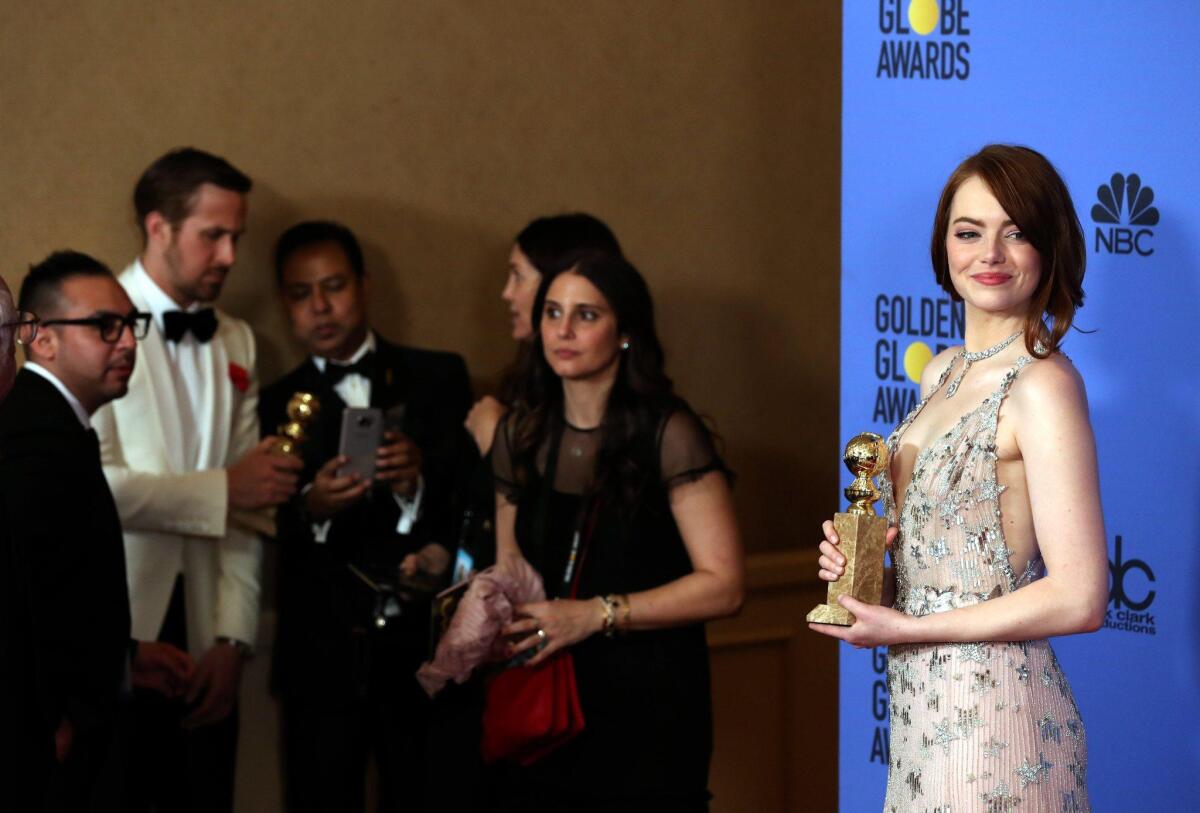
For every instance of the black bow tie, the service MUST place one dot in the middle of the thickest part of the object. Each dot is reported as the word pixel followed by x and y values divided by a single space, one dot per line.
pixel 201 323
pixel 365 367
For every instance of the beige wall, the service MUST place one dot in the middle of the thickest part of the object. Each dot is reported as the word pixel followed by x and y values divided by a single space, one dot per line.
pixel 705 132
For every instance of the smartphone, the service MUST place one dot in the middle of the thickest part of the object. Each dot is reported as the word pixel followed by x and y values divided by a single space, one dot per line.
pixel 362 435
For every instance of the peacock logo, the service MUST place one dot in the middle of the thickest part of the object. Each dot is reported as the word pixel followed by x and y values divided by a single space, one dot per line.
pixel 1123 204
pixel 1125 196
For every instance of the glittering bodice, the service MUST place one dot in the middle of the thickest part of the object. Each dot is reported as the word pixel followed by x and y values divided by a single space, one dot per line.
pixel 951 550
pixel 979 726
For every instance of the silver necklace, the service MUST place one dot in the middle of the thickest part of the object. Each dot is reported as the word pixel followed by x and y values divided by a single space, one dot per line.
pixel 576 449
pixel 971 358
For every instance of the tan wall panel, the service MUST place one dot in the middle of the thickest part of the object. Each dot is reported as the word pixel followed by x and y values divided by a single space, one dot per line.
pixel 775 695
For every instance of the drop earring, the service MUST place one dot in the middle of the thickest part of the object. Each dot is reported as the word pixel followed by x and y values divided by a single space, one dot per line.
pixel 625 344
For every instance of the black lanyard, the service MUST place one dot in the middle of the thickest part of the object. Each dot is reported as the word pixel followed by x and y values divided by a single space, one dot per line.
pixel 585 523
pixel 584 527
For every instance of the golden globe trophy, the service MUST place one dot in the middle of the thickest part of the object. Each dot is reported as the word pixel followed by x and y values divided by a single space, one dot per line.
pixel 862 533
pixel 302 410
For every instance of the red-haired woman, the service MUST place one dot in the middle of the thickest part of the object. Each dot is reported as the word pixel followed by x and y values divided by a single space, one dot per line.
pixel 993 491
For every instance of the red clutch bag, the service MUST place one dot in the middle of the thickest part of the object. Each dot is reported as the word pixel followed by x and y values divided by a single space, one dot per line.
pixel 530 711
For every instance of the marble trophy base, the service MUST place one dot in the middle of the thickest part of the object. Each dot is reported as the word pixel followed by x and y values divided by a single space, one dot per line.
pixel 863 538
pixel 830 614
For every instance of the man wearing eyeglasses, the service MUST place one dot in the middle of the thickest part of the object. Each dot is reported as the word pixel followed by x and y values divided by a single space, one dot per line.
pixel 187 468
pixel 67 645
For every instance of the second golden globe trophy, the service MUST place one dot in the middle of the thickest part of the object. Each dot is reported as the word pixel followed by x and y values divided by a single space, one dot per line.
pixel 302 410
pixel 862 534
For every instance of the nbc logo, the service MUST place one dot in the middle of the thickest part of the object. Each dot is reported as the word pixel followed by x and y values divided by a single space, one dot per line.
pixel 1122 204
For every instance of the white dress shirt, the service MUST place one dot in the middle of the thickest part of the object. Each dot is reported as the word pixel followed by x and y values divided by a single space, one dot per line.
pixel 192 363
pixel 355 390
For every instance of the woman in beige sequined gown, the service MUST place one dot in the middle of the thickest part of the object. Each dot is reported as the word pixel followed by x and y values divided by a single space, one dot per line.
pixel 999 539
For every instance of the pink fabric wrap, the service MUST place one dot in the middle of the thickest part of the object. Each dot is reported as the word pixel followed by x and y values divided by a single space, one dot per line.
pixel 473 632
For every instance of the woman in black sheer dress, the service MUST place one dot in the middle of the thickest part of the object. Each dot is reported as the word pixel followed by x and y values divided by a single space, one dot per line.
pixel 457 776
pixel 598 432
pixel 540 248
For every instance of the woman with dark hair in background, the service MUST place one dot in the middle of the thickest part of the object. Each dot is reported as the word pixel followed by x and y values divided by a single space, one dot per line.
pixel 456 774
pixel 606 479
pixel 540 248
pixel 994 490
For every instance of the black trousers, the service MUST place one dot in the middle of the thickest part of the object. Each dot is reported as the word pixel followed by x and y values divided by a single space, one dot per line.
pixel 81 782
pixel 378 713
pixel 171 768
pixel 457 779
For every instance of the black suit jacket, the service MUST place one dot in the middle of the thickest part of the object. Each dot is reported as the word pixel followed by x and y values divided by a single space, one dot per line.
pixel 315 643
pixel 66 634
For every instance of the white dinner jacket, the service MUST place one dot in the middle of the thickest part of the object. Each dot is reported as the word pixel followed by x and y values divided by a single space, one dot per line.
pixel 176 519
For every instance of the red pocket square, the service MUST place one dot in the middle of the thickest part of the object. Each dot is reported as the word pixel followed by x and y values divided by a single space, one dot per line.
pixel 239 376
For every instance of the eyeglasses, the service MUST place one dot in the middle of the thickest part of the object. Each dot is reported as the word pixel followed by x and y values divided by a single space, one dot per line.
pixel 26 324
pixel 111 325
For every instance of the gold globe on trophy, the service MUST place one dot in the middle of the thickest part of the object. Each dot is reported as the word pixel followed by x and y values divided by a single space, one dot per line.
pixel 302 410
pixel 862 533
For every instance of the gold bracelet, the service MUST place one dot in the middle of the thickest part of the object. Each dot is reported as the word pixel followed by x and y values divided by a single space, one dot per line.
pixel 610 614
pixel 625 622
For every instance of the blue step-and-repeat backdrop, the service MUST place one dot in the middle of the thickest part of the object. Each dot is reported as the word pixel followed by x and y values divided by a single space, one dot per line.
pixel 1109 90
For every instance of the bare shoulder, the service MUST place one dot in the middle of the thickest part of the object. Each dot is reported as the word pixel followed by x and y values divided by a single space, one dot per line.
pixel 936 366
pixel 1052 384
pixel 482 420
pixel 1050 393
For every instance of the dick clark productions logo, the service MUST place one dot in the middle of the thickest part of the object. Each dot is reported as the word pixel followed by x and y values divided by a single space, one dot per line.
pixel 1130 593
pixel 1126 207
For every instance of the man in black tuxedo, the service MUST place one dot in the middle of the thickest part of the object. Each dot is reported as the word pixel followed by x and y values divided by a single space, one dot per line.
pixel 67 603
pixel 344 658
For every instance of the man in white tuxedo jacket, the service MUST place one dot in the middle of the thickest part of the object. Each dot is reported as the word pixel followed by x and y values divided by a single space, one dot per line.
pixel 183 458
